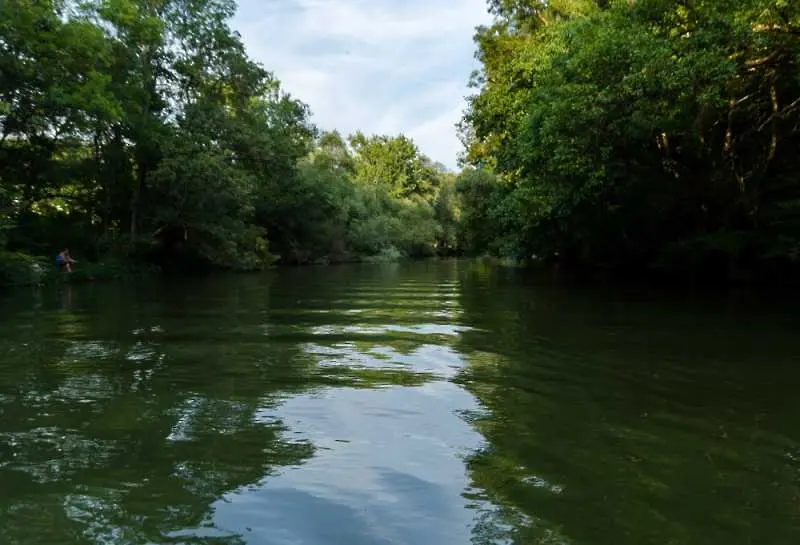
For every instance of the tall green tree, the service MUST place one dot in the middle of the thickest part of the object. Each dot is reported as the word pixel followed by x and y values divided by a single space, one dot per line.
pixel 641 134
pixel 395 161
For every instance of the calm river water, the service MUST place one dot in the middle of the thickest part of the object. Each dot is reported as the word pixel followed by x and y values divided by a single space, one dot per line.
pixel 428 403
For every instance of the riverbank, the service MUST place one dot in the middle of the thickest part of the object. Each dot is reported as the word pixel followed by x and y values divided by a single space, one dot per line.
pixel 20 269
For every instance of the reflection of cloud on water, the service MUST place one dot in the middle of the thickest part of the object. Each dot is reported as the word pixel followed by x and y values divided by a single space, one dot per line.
pixel 212 416
pixel 421 329
pixel 386 468
pixel 429 359
pixel 180 430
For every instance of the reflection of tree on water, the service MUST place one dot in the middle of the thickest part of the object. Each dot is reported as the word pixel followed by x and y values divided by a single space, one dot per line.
pixel 133 437
pixel 624 425
pixel 129 467
pixel 66 296
pixel 126 419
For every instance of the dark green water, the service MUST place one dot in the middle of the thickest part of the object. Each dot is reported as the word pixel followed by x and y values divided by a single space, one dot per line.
pixel 439 403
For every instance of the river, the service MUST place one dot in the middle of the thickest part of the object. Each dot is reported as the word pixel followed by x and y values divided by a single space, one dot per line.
pixel 428 403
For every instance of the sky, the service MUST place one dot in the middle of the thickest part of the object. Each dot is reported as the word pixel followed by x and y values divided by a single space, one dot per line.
pixel 379 66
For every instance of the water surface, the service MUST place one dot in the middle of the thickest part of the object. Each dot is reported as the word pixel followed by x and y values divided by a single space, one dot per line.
pixel 428 403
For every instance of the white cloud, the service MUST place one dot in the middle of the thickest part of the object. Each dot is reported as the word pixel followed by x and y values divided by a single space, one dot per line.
pixel 381 66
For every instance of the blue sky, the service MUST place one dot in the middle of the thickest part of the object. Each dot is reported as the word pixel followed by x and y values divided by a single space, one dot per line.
pixel 382 66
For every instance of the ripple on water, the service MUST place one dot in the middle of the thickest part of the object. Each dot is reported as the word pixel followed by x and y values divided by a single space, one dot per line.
pixel 429 359
pixel 368 407
pixel 420 329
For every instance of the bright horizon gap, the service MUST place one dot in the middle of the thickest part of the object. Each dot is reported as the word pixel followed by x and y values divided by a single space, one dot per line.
pixel 379 66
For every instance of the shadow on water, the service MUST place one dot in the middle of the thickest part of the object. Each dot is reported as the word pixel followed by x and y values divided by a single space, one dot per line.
pixel 628 416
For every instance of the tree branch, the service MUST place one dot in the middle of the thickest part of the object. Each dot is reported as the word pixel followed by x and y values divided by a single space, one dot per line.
pixel 778 113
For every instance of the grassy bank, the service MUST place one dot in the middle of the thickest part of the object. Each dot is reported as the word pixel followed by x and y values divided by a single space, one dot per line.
pixel 21 269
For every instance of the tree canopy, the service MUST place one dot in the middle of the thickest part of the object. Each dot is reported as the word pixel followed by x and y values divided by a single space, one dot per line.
pixel 142 128
pixel 639 134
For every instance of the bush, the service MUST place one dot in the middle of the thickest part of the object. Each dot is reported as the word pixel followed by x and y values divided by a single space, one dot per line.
pixel 106 269
pixel 19 269
pixel 389 254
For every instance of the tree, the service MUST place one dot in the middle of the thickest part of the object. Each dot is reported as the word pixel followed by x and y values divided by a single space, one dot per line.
pixel 395 161
pixel 642 134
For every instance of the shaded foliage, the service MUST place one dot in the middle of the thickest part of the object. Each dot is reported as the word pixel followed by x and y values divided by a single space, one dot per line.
pixel 641 135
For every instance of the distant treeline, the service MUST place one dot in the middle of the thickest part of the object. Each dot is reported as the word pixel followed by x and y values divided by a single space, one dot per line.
pixel 141 129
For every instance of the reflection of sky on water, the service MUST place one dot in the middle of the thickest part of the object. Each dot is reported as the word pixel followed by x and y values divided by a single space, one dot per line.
pixel 441 361
pixel 422 329
pixel 386 469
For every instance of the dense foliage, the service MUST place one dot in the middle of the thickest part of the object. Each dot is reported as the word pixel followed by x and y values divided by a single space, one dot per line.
pixel 638 135
pixel 626 135
pixel 140 128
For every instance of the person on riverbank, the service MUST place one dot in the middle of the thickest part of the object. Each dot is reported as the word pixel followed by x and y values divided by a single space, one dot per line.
pixel 64 260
